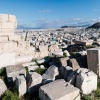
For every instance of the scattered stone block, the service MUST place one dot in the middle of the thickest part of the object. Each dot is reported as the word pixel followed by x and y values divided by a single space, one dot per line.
pixel 21 85
pixel 73 63
pixel 67 53
pixel 29 64
pixel 58 53
pixel 14 71
pixel 43 48
pixel 86 81
pixel 72 77
pixel 59 90
pixel 42 67
pixel 40 61
pixel 23 59
pixel 64 72
pixel 51 73
pixel 7 58
pixel 33 82
pixel 3 87
pixel 63 61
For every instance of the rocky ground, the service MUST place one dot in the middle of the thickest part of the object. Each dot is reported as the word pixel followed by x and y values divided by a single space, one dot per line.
pixel 12 93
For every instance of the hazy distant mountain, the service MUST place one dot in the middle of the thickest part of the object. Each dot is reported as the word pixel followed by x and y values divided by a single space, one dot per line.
pixel 95 26
pixel 86 25
pixel 25 27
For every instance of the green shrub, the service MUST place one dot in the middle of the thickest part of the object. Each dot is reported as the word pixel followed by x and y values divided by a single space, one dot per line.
pixel 1 71
pixel 40 70
pixel 33 60
pixel 27 72
pixel 86 97
pixel 64 54
pixel 97 92
pixel 8 95
pixel 89 46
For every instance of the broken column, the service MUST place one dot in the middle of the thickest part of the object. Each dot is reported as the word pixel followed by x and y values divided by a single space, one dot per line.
pixel 93 59
pixel 21 85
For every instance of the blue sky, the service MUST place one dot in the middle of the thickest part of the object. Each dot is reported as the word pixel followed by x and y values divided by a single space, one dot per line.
pixel 52 13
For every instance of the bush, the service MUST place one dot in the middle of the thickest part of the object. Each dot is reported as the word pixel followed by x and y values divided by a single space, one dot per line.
pixel 89 46
pixel 8 95
pixel 40 70
pixel 86 97
pixel 64 54
pixel 27 72
pixel 97 92
pixel 1 71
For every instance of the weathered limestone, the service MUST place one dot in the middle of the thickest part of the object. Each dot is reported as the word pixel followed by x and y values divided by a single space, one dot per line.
pixel 6 31
pixel 50 74
pixel 21 85
pixel 64 72
pixel 72 77
pixel 58 53
pixel 73 63
pixel 40 61
pixel 33 82
pixel 7 18
pixel 3 87
pixel 54 48
pixel 7 24
pixel 42 67
pixel 7 58
pixel 43 48
pixel 63 61
pixel 67 53
pixel 93 59
pixel 3 38
pixel 29 64
pixel 23 59
pixel 59 90
pixel 86 81
pixel 14 71
pixel 15 38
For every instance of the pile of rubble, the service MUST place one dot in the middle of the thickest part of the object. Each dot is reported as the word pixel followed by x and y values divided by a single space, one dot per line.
pixel 65 78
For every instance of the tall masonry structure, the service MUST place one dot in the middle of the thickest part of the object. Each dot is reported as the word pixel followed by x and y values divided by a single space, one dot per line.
pixel 12 46
pixel 7 24
pixel 93 56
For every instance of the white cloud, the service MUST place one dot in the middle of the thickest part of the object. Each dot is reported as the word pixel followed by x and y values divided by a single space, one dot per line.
pixel 95 10
pixel 44 11
pixel 45 23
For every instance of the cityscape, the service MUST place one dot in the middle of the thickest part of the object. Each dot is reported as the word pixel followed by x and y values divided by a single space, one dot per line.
pixel 49 50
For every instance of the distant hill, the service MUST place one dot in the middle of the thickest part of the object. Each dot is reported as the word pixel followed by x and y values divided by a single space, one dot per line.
pixel 67 26
pixel 94 26
pixel 24 27
pixel 86 25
